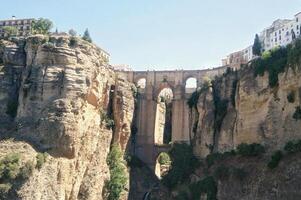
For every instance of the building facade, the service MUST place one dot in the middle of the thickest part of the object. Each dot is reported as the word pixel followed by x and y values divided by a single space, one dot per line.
pixel 23 26
pixel 281 33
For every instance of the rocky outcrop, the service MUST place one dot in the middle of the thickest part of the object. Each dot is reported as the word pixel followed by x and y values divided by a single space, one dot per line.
pixel 240 108
pixel 56 96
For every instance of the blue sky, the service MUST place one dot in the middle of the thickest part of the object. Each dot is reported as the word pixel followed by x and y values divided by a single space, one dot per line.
pixel 156 34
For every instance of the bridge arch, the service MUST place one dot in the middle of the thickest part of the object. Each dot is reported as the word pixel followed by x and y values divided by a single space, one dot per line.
pixel 191 84
pixel 163 163
pixel 141 82
pixel 163 117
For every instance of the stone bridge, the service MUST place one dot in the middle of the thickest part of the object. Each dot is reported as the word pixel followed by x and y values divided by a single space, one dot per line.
pixel 146 148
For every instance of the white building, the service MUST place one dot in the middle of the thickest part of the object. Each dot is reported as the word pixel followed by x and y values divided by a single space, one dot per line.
pixel 281 32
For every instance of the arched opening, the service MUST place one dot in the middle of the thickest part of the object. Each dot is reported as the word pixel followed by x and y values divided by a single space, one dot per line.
pixel 163 124
pixel 163 164
pixel 141 83
pixel 190 85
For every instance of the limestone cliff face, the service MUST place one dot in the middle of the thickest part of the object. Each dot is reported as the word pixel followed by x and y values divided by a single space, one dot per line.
pixel 54 96
pixel 240 108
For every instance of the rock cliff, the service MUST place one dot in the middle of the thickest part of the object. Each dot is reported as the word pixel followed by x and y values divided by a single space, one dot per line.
pixel 59 95
pixel 240 108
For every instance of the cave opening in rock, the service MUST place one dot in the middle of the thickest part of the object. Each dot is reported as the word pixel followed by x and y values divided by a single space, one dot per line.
pixel 163 124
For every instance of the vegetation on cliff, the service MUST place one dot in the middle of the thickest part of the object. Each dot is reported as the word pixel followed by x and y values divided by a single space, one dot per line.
pixel 41 26
pixel 12 172
pixel 276 60
pixel 183 163
pixel 118 181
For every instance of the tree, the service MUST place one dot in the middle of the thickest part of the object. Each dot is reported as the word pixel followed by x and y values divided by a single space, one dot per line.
pixel 257 46
pixel 72 32
pixel 41 26
pixel 10 31
pixel 86 36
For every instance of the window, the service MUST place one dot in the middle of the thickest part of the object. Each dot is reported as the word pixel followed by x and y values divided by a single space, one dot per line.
pixel 297 19
pixel 279 37
pixel 297 27
pixel 279 31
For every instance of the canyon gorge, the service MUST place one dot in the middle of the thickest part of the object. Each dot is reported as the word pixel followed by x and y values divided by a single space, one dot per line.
pixel 70 124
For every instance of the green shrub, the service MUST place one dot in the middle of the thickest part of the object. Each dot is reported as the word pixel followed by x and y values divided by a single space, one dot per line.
pixel 164 159
pixel 11 109
pixel 293 146
pixel 110 124
pixel 221 105
pixel 9 166
pixel 238 173
pixel 275 159
pixel 183 163
pixel 73 42
pixel 273 61
pixel 206 185
pixel 4 189
pixel 109 121
pixel 41 26
pixel 291 97
pixel 222 172
pixel 294 52
pixel 118 179
pixel 26 170
pixel 297 113
pixel 250 149
pixel 41 159
pixel 213 157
